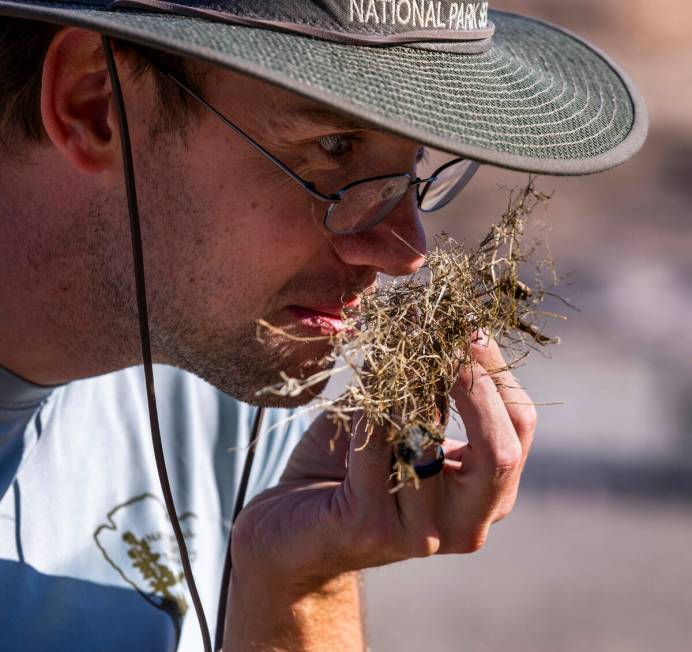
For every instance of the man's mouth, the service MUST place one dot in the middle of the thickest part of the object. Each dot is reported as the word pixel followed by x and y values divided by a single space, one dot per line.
pixel 327 319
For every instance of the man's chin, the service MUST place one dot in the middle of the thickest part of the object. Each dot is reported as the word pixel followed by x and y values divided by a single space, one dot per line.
pixel 257 379
pixel 253 370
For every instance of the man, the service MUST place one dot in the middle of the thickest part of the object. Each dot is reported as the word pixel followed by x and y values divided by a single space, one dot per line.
pixel 259 159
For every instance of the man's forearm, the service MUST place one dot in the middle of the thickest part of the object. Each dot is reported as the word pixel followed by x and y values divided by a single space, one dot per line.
pixel 270 616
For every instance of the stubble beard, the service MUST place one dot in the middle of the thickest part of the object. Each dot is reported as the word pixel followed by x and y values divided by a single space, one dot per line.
pixel 247 367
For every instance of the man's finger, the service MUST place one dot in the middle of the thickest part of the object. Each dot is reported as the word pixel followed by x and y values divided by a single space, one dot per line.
pixel 492 437
pixel 499 421
pixel 419 508
pixel 518 403
pixel 410 514
pixel 369 459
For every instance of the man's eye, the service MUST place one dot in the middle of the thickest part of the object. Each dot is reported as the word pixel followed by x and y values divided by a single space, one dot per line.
pixel 423 162
pixel 336 144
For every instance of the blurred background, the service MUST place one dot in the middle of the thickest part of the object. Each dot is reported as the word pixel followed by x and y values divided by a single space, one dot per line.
pixel 597 554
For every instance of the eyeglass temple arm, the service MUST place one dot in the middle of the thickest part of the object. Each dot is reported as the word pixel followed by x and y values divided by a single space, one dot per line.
pixel 308 186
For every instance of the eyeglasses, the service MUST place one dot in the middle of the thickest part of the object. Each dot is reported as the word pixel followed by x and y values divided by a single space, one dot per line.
pixel 363 204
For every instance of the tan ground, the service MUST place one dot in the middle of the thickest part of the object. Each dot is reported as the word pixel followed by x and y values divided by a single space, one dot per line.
pixel 564 573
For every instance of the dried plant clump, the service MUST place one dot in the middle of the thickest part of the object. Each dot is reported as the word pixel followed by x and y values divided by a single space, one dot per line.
pixel 409 337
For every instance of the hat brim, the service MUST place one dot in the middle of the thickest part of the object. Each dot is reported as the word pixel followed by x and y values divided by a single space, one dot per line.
pixel 541 100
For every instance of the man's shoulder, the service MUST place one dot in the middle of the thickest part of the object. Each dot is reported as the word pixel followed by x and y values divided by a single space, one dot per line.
pixel 128 383
pixel 201 427
pixel 120 396
pixel 191 411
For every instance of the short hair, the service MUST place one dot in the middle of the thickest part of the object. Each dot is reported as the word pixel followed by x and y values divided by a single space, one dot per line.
pixel 23 48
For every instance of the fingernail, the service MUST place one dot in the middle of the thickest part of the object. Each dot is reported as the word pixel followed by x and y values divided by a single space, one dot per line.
pixel 480 337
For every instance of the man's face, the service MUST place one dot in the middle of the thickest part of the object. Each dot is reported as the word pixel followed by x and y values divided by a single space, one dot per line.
pixel 230 239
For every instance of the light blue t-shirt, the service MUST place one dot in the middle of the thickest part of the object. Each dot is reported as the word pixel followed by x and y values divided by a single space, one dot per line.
pixel 88 559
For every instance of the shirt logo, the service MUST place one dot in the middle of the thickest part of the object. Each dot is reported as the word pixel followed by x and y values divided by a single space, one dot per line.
pixel 139 543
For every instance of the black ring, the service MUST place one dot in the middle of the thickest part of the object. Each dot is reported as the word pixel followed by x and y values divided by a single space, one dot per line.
pixel 424 471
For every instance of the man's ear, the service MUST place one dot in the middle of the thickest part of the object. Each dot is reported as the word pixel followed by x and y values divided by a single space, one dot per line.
pixel 76 101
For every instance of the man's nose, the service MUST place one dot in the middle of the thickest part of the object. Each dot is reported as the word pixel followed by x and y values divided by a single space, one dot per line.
pixel 395 246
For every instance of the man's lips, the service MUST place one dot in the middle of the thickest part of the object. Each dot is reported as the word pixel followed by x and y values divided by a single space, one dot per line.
pixel 325 318
pixel 335 310
pixel 325 311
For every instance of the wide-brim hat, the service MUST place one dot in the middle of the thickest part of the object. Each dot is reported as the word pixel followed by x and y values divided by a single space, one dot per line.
pixel 492 86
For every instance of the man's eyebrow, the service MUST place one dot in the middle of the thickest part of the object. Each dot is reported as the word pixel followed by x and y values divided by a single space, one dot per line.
pixel 328 118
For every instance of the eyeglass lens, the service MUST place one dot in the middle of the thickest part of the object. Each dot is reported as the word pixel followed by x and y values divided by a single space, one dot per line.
pixel 365 204
pixel 447 184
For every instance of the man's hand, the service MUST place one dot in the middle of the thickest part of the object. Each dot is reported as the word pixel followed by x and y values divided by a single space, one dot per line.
pixel 326 519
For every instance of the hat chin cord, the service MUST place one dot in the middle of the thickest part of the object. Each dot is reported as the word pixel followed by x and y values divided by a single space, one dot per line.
pixel 138 261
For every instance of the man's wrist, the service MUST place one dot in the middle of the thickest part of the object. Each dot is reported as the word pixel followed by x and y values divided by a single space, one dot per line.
pixel 277 614
pixel 288 588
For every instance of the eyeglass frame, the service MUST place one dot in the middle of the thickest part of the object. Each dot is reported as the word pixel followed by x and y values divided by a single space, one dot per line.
pixel 335 198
